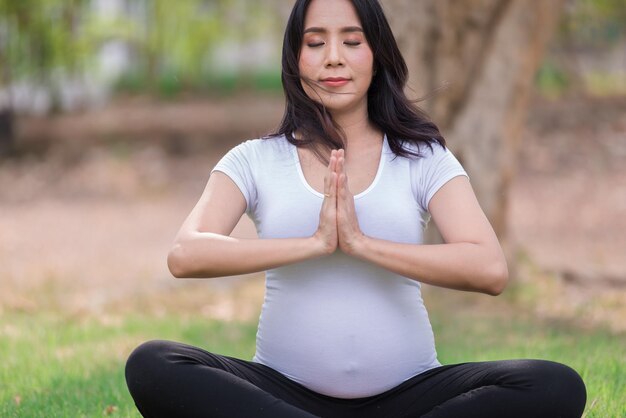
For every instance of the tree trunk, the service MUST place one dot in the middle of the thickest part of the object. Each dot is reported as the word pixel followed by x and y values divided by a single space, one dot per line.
pixel 487 53
pixel 7 132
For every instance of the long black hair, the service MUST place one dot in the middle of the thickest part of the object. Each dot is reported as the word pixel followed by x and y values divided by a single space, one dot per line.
pixel 389 109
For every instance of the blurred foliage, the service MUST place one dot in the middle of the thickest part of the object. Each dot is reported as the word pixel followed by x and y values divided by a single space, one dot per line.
pixel 222 83
pixel 32 47
pixel 602 84
pixel 551 80
pixel 589 23
pixel 589 31
pixel 169 43
pixel 174 41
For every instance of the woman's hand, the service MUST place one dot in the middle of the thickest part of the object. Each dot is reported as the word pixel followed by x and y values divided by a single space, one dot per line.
pixel 339 226
pixel 471 258
pixel 348 230
pixel 326 233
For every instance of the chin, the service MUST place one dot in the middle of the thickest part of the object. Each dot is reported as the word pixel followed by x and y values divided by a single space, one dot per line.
pixel 337 105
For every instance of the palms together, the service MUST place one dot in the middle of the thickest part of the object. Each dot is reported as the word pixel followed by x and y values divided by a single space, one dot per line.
pixel 339 226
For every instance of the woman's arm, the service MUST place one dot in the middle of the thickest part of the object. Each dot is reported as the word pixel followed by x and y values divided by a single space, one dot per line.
pixel 204 249
pixel 471 258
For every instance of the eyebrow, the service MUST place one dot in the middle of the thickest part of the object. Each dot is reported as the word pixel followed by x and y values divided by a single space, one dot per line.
pixel 347 29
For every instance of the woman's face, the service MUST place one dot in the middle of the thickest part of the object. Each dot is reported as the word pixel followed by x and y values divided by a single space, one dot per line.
pixel 336 62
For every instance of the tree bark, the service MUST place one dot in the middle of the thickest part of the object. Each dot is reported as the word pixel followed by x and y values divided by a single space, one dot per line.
pixel 7 132
pixel 487 53
pixel 7 119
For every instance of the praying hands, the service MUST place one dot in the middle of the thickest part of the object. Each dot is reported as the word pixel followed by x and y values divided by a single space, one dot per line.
pixel 339 226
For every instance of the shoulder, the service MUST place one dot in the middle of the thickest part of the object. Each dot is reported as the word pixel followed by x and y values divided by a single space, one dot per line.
pixel 264 147
pixel 435 166
pixel 428 152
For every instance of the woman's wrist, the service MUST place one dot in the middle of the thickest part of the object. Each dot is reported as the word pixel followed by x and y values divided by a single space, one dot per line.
pixel 320 247
pixel 357 247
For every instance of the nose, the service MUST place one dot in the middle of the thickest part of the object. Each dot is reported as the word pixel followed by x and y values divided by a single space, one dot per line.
pixel 333 55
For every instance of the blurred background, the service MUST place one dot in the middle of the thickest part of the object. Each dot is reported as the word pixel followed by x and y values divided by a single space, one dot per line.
pixel 113 112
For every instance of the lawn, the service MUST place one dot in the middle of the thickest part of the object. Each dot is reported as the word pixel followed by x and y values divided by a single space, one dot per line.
pixel 63 366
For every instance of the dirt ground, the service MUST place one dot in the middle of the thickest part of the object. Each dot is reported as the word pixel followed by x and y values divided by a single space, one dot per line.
pixel 568 202
pixel 85 228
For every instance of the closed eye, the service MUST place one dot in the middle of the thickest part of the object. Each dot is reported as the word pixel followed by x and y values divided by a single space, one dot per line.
pixel 352 43
pixel 315 45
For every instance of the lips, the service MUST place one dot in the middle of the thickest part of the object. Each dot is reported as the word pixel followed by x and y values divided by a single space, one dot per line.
pixel 335 81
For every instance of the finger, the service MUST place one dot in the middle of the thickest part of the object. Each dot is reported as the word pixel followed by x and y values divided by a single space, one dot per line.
pixel 332 160
pixel 333 187
pixel 342 185
pixel 329 204
pixel 341 163
pixel 333 153
pixel 327 178
pixel 341 170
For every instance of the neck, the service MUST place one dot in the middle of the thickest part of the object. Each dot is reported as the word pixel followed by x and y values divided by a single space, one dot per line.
pixel 358 128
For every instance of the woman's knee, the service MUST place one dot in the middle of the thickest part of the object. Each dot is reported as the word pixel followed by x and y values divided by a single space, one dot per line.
pixel 146 354
pixel 559 385
pixel 554 374
pixel 146 360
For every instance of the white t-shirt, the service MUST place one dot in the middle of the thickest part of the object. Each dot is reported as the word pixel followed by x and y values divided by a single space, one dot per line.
pixel 340 326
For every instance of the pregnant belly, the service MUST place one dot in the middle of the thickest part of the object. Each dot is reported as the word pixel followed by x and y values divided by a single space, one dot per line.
pixel 346 345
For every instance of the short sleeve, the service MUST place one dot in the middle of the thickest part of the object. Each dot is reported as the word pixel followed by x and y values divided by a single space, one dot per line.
pixel 238 164
pixel 430 172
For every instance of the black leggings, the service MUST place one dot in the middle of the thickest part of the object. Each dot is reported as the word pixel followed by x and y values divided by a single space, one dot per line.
pixel 168 379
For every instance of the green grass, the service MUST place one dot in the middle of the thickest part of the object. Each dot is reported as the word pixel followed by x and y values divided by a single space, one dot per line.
pixel 61 367
pixel 73 367
pixel 598 356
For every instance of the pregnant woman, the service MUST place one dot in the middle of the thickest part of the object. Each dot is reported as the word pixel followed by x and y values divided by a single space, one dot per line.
pixel 340 196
